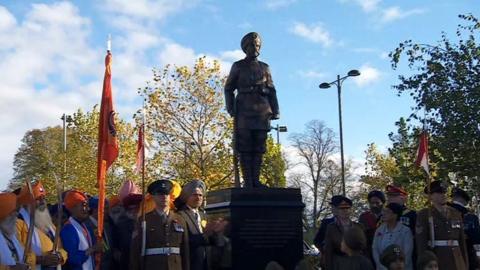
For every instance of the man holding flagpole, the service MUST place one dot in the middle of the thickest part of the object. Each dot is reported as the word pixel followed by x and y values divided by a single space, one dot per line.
pixel 77 238
pixel 449 243
pixel 439 227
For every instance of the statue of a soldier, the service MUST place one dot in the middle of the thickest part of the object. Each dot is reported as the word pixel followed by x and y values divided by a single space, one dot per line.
pixel 253 106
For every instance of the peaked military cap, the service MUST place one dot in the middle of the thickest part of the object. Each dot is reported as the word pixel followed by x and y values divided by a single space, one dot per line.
pixel 436 187
pixel 341 201
pixel 160 187
pixel 394 190
pixel 458 192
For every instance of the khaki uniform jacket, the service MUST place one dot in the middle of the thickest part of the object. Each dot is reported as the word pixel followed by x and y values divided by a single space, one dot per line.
pixel 161 232
pixel 449 227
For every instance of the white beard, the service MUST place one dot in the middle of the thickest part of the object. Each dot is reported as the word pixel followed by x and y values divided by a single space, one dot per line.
pixel 43 220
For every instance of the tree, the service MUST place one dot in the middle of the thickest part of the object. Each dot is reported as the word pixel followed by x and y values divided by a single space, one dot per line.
pixel 188 123
pixel 447 90
pixel 34 159
pixel 397 166
pixel 274 165
pixel 315 148
pixel 41 156
pixel 380 168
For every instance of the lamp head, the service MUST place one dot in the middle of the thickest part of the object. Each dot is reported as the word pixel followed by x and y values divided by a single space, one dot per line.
pixel 353 73
pixel 282 128
pixel 324 85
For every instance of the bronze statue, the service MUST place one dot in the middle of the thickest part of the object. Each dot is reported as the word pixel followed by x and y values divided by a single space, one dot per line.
pixel 253 106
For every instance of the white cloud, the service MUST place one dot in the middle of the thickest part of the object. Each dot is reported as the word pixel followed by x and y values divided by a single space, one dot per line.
pixel 179 55
pixel 311 74
pixel 368 5
pixel 232 56
pixel 46 57
pixel 395 13
pixel 314 32
pixel 148 9
pixel 7 20
pixel 276 4
pixel 245 25
pixel 382 15
pixel 368 76
pixel 176 54
pixel 49 66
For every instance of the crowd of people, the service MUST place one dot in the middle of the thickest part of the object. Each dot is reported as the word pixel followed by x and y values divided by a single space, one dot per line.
pixel 445 235
pixel 166 230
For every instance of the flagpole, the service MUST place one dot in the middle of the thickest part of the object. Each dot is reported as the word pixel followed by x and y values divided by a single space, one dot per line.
pixel 102 160
pixel 424 138
pixel 144 222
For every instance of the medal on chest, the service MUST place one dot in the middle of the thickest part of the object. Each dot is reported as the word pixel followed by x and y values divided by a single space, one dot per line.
pixel 177 227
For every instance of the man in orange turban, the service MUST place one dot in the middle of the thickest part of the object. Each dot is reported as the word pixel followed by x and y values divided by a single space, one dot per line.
pixel 44 231
pixel 11 250
pixel 77 238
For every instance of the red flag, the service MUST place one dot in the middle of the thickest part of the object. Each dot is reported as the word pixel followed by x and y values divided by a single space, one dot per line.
pixel 107 135
pixel 422 152
pixel 140 151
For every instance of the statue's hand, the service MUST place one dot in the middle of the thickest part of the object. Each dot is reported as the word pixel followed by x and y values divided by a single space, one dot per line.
pixel 275 116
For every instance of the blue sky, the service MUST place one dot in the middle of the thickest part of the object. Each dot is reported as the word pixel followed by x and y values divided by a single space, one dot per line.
pixel 52 52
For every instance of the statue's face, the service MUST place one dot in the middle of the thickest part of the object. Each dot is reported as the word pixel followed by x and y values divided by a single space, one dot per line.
pixel 253 49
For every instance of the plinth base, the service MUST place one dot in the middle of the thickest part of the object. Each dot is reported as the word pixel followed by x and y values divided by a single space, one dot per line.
pixel 264 225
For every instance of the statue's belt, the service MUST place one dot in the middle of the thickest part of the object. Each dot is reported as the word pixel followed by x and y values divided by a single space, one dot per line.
pixel 253 89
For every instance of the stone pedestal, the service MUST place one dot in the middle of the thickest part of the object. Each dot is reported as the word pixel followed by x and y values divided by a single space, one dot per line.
pixel 264 225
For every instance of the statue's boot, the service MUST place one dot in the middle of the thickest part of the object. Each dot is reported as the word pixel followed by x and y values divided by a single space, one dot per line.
pixel 246 167
pixel 256 168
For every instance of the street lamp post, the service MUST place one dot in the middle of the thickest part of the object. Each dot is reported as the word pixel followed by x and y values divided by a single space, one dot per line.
pixel 279 129
pixel 338 83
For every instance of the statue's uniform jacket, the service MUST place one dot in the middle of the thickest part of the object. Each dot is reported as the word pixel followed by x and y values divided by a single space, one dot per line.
pixel 256 99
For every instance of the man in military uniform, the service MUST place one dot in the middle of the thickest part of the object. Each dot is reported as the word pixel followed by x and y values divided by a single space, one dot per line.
pixel 449 239
pixel 370 219
pixel 334 234
pixel 398 195
pixel 319 240
pixel 165 235
pixel 460 199
pixel 253 106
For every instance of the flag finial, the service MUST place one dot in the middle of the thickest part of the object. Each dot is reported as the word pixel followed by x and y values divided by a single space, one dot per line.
pixel 109 43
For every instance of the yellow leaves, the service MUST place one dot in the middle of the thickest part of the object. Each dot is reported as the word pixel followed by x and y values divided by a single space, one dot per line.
pixel 188 122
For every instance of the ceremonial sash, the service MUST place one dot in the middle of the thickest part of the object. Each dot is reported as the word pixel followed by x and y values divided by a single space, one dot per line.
pixel 6 257
pixel 36 244
pixel 84 242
